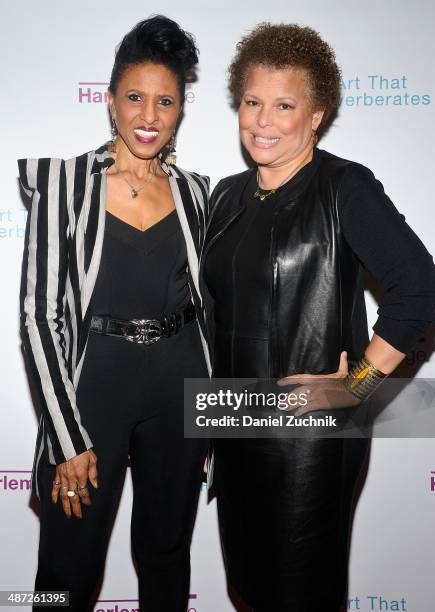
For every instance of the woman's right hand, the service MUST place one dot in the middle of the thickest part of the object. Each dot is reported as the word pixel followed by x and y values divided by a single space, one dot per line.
pixel 73 475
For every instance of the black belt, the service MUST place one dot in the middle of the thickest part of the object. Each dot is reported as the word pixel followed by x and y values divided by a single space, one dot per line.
pixel 144 331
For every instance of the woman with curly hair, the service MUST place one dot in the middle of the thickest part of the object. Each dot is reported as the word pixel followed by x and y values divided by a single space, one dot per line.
pixel 110 313
pixel 282 268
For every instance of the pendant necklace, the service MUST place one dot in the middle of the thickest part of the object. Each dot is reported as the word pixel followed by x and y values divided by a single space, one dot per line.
pixel 134 190
pixel 263 196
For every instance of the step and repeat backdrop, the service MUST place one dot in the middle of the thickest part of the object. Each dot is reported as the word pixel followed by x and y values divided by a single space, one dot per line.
pixel 55 64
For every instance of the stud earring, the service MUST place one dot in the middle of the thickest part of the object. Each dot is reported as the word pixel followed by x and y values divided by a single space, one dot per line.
pixel 171 158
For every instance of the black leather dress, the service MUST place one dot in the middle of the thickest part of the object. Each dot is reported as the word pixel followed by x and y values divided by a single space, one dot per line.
pixel 281 303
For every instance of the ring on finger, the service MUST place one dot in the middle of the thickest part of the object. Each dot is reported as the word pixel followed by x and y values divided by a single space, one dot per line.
pixel 71 493
pixel 81 487
pixel 56 483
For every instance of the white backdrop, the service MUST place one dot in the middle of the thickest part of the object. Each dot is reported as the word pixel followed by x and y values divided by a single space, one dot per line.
pixel 51 51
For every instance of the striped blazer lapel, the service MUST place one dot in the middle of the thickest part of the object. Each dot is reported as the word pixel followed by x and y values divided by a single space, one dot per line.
pixel 190 194
pixel 94 215
pixel 186 205
pixel 90 236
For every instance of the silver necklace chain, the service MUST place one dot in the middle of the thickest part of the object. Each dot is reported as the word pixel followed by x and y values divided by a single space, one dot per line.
pixel 134 190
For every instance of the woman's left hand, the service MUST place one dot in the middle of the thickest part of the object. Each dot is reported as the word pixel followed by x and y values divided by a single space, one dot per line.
pixel 324 393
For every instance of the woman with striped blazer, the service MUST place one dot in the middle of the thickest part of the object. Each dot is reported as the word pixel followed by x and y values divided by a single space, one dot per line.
pixel 112 323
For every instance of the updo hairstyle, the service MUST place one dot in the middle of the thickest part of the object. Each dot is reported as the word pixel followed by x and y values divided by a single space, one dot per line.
pixel 158 40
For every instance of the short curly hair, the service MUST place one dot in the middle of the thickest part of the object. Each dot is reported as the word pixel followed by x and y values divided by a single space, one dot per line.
pixel 289 46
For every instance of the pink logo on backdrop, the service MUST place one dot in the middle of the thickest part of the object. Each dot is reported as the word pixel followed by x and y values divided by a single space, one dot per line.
pixel 129 605
pixel 95 92
pixel 15 480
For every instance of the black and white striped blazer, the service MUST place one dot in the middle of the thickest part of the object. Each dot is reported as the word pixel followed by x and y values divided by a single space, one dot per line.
pixel 62 253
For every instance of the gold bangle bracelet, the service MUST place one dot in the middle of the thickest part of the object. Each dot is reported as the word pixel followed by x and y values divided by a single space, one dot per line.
pixel 363 379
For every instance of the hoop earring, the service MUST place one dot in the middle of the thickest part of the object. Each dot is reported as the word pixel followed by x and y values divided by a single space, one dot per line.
pixel 114 130
pixel 314 137
pixel 171 158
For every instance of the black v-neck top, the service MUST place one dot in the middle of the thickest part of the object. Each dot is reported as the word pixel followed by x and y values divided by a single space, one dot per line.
pixel 142 274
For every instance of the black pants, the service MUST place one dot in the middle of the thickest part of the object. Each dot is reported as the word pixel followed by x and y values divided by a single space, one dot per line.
pixel 130 399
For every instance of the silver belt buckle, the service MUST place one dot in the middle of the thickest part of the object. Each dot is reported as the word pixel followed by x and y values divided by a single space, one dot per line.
pixel 148 331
